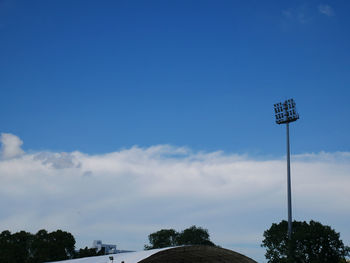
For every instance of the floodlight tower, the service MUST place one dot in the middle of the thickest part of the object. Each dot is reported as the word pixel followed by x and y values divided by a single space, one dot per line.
pixel 285 113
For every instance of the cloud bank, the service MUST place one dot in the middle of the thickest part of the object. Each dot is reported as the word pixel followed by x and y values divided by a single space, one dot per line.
pixel 121 197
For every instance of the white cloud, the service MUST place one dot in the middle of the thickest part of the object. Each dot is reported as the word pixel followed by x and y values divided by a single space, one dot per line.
pixel 305 13
pixel 326 10
pixel 121 197
pixel 300 14
pixel 11 145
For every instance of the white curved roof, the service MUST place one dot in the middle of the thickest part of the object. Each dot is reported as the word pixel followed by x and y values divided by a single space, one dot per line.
pixel 129 257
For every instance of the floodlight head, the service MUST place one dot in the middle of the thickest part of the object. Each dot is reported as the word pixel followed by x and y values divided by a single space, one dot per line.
pixel 286 112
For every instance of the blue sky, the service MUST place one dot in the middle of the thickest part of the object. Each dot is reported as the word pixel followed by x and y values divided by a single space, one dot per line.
pixel 102 76
pixel 99 77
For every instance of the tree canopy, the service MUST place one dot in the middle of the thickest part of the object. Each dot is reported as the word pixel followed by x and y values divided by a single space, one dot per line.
pixel 24 247
pixel 162 238
pixel 310 243
pixel 169 237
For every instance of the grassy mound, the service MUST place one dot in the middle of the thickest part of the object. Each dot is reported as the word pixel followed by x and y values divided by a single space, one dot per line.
pixel 197 254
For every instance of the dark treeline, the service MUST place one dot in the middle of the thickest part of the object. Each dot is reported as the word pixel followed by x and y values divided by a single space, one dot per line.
pixel 24 247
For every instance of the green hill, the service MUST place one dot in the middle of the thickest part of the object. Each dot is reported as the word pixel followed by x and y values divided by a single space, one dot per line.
pixel 200 254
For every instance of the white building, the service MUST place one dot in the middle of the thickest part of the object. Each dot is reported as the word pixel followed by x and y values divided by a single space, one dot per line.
pixel 108 248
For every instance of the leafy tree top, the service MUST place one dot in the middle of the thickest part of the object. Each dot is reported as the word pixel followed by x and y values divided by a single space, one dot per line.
pixel 169 237
pixel 310 243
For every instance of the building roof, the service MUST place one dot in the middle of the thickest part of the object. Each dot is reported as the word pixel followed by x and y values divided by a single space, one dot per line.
pixel 184 254
pixel 129 257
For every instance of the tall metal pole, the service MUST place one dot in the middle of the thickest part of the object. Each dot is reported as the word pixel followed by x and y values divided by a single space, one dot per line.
pixel 285 113
pixel 289 186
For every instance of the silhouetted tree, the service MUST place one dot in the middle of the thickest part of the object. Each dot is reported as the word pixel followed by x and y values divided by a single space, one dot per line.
pixel 310 243
pixel 7 250
pixel 41 247
pixel 24 247
pixel 162 238
pixel 169 237
pixel 61 245
pixel 194 236
pixel 21 246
